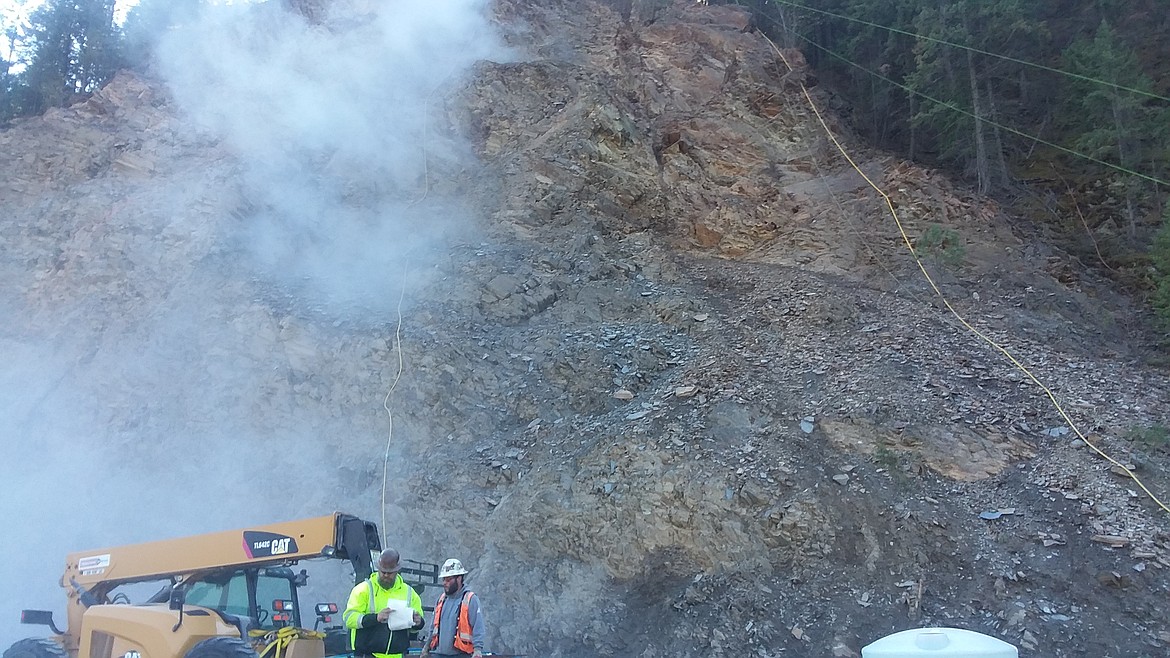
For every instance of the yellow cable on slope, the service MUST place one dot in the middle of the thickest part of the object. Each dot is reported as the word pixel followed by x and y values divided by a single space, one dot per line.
pixel 389 413
pixel 947 303
pixel 398 329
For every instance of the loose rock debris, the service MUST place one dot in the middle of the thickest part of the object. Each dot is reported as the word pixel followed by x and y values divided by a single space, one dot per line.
pixel 635 386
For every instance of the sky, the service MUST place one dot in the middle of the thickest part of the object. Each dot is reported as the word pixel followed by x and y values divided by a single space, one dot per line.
pixel 15 14
pixel 121 428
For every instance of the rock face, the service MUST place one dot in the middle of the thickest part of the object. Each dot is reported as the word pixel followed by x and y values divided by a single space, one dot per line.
pixel 678 388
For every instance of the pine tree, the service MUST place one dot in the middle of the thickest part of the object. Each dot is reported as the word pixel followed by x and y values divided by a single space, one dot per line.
pixel 148 21
pixel 1160 258
pixel 1112 124
pixel 971 90
pixel 78 48
pixel 890 55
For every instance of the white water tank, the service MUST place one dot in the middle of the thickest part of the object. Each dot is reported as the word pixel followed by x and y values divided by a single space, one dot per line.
pixel 939 643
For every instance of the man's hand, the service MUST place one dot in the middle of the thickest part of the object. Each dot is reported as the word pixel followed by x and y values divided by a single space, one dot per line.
pixel 418 619
pixel 383 615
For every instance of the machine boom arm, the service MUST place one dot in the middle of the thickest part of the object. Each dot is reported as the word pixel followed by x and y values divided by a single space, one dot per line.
pixel 336 535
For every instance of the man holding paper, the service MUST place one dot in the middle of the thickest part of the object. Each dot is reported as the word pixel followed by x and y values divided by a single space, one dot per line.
pixel 383 612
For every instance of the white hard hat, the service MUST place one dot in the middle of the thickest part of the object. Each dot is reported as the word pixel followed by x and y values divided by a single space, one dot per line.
pixel 452 567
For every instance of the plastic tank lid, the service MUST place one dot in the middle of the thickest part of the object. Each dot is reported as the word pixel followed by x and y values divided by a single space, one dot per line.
pixel 940 643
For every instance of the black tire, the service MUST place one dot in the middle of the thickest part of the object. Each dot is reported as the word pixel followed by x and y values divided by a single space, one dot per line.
pixel 221 647
pixel 35 648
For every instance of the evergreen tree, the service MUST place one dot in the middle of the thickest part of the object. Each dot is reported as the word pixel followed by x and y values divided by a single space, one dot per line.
pixel 889 54
pixel 77 50
pixel 148 21
pixel 7 85
pixel 1160 257
pixel 973 90
pixel 1112 124
pixel 13 91
pixel 7 81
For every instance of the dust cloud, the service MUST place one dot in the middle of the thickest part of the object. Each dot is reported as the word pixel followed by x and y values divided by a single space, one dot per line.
pixel 338 125
pixel 163 409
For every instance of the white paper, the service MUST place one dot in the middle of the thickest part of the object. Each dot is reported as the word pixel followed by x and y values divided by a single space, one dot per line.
pixel 400 618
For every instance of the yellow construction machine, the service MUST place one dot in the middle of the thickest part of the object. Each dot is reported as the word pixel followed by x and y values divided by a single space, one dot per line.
pixel 226 594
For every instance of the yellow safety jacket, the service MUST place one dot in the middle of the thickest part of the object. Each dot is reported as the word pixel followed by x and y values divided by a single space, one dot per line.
pixel 369 597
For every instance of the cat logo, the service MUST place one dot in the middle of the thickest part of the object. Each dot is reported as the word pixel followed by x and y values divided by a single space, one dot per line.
pixel 260 544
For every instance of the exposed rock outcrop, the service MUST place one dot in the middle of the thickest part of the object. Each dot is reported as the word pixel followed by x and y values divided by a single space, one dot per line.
pixel 676 388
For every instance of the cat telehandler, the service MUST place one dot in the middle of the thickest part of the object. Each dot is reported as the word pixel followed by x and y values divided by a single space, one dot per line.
pixel 229 594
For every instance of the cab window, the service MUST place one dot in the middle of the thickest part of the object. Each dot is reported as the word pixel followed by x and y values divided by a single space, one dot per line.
pixel 230 595
pixel 268 590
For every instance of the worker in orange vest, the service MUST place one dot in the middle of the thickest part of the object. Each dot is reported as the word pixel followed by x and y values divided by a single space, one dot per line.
pixel 458 627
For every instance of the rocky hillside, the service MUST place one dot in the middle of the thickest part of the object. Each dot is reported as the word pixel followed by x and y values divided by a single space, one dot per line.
pixel 658 363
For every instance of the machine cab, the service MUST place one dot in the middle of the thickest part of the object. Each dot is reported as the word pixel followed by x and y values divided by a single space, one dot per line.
pixel 266 596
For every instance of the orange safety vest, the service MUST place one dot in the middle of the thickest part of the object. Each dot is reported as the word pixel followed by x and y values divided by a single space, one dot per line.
pixel 463 630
